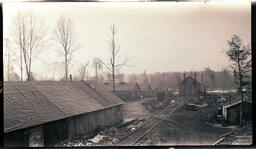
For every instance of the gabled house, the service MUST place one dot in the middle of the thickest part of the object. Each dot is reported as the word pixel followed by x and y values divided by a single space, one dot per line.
pixel 41 113
pixel 190 86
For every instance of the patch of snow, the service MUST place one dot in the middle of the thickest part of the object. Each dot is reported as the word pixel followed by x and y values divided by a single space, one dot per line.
pixel 133 129
pixel 128 120
pixel 221 91
pixel 97 138
pixel 220 126
pixel 79 144
pixel 202 105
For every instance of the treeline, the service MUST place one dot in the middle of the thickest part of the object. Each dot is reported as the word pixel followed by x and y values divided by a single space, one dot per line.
pixel 30 36
pixel 223 79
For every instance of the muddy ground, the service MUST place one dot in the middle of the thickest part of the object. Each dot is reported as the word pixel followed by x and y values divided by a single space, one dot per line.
pixel 189 127
pixel 185 128
pixel 240 136
pixel 181 127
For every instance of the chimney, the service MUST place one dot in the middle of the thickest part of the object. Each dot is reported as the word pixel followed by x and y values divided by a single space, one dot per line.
pixel 70 77
pixel 195 75
pixel 184 75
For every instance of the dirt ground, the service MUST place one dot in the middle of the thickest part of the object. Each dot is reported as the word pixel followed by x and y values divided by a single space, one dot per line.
pixel 135 109
pixel 184 127
pixel 180 127
pixel 111 135
pixel 240 136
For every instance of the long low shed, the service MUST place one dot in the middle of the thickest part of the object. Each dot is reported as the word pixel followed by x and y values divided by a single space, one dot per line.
pixel 41 113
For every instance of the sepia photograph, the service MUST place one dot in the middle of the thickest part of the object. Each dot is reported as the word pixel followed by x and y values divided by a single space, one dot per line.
pixel 82 74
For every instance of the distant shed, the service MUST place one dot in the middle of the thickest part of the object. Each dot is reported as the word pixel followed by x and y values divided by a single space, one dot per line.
pixel 146 90
pixel 41 113
pixel 125 91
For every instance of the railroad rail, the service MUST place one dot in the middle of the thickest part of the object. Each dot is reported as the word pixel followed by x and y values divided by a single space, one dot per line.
pixel 134 137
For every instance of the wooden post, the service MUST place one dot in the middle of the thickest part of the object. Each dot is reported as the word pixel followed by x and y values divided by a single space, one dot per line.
pixel 70 77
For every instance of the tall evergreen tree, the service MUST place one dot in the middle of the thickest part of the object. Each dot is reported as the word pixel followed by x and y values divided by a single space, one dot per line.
pixel 240 56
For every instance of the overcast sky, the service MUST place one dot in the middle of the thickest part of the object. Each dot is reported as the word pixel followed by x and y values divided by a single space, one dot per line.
pixel 156 37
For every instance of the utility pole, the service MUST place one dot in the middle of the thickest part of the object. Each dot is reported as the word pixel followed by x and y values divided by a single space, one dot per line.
pixel 202 78
pixel 184 84
pixel 53 72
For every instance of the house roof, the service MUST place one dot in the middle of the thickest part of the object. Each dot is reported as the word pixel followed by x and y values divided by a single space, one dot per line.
pixel 184 81
pixel 123 86
pixel 27 104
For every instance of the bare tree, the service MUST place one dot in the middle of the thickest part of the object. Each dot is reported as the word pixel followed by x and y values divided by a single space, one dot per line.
pixel 20 37
pixel 240 56
pixel 64 34
pixel 82 71
pixel 7 56
pixel 9 61
pixel 29 34
pixel 97 64
pixel 145 78
pixel 114 60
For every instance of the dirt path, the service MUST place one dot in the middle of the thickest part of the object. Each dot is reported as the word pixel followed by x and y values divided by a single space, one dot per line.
pixel 134 109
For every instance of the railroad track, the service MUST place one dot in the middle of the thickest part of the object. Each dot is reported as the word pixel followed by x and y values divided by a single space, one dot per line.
pixel 134 137
pixel 137 135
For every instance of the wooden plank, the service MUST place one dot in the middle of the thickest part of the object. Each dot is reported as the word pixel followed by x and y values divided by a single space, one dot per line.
pixel 227 134
pixel 218 141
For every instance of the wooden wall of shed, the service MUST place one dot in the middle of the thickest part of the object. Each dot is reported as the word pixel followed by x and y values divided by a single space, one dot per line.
pixel 82 124
pixel 127 95
pixel 146 94
pixel 36 136
pixel 18 138
pixel 247 112
pixel 55 131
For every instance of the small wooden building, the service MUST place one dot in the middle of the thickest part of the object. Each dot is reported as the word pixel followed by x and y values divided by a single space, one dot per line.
pixel 41 113
pixel 231 112
pixel 125 91
pixel 190 86
pixel 146 90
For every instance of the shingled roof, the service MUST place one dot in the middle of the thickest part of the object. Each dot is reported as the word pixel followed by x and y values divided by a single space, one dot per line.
pixel 32 103
pixel 123 86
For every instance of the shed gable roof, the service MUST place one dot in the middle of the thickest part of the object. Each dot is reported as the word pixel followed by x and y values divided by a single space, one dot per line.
pixel 190 79
pixel 235 103
pixel 32 103
pixel 123 86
